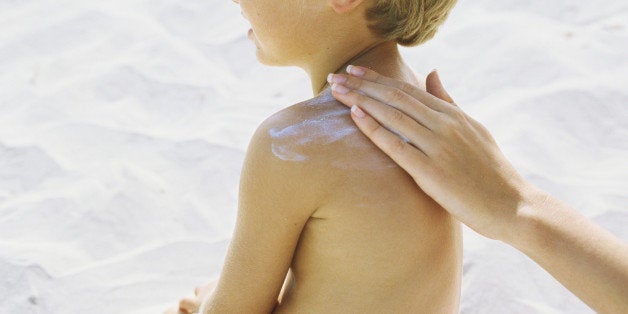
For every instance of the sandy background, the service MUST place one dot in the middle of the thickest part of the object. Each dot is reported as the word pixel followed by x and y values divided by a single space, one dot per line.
pixel 123 125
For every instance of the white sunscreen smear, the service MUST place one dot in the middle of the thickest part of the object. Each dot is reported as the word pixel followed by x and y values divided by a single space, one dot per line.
pixel 291 142
pixel 324 129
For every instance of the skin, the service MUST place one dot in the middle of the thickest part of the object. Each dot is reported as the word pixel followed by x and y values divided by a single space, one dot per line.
pixel 456 161
pixel 327 223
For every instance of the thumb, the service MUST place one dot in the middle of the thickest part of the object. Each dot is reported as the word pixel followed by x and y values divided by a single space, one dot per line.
pixel 434 86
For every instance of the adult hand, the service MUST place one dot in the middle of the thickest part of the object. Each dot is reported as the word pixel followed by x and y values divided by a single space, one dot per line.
pixel 451 156
pixel 456 161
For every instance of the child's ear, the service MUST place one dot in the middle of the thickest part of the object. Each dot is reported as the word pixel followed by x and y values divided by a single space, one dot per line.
pixel 344 6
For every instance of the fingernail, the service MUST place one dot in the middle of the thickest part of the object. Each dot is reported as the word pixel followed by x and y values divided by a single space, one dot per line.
pixel 436 73
pixel 331 78
pixel 438 77
pixel 355 70
pixel 358 112
pixel 339 88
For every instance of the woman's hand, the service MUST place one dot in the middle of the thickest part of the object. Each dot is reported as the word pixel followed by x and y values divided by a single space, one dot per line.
pixel 456 161
pixel 451 156
pixel 193 304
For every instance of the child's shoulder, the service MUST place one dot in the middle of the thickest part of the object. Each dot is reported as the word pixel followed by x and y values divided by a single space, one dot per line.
pixel 316 113
pixel 308 130
pixel 318 135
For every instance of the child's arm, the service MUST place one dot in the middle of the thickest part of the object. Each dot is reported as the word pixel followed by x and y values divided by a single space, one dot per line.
pixel 273 209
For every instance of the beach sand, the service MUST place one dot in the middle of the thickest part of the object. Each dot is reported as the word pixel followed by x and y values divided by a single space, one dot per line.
pixel 123 125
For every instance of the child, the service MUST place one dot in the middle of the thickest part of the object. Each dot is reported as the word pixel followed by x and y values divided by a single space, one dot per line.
pixel 327 223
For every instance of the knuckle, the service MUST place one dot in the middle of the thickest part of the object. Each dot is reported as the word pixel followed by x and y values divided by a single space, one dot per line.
pixel 396 116
pixel 406 87
pixel 394 95
pixel 458 114
pixel 378 77
pixel 373 129
pixel 349 81
pixel 398 145
pixel 452 126
pixel 356 83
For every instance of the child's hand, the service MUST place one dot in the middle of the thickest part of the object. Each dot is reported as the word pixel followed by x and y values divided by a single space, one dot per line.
pixel 193 304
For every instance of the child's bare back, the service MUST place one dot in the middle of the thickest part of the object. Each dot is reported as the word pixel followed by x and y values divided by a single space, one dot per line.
pixel 375 243
pixel 318 201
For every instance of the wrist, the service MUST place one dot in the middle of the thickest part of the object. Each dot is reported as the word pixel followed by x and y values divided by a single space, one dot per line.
pixel 527 225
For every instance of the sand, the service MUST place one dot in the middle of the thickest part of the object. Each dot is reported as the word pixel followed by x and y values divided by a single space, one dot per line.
pixel 123 125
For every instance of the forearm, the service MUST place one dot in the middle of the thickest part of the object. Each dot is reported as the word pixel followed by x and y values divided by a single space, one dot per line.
pixel 585 258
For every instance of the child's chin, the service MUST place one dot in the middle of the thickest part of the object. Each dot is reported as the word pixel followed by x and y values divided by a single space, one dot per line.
pixel 266 59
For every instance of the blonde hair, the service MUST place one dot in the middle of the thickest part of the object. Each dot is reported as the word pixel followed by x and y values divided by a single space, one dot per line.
pixel 409 22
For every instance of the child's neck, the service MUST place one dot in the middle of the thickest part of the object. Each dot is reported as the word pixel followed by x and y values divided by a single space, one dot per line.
pixel 383 57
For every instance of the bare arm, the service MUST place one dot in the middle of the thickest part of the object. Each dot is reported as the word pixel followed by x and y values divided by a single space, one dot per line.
pixel 585 258
pixel 272 211
pixel 456 161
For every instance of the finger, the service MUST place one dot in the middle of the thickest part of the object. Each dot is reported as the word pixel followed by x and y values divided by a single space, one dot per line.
pixel 369 75
pixel 405 105
pixel 189 305
pixel 385 89
pixel 386 94
pixel 435 87
pixel 404 154
pixel 394 120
